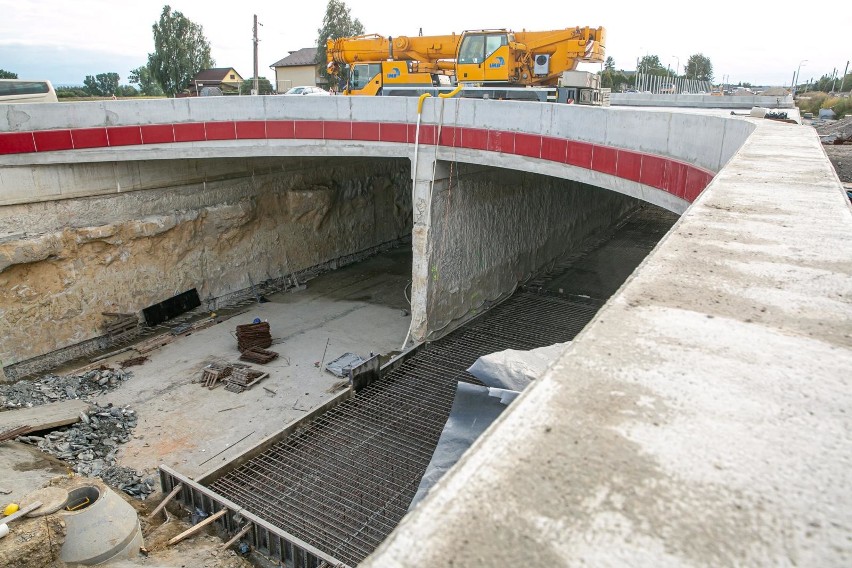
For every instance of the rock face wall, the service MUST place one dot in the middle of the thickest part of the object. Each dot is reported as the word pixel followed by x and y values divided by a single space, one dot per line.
pixel 493 228
pixel 62 263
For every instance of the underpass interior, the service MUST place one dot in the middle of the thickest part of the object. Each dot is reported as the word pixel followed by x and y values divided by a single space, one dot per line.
pixel 343 482
pixel 556 248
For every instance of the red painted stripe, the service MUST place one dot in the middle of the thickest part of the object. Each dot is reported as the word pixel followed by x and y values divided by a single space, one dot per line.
pixel 53 140
pixel 226 130
pixel 17 143
pixel 605 160
pixel 124 135
pixel 653 171
pixel 580 154
pixel 428 132
pixel 308 129
pixel 394 132
pixel 554 149
pixel 450 136
pixel 158 133
pixel 629 165
pixel 474 138
pixel 680 179
pixel 251 129
pixel 89 138
pixel 367 131
pixel 280 129
pixel 189 132
pixel 499 141
pixel 337 130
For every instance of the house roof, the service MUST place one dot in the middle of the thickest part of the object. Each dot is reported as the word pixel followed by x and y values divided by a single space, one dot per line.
pixel 218 74
pixel 304 56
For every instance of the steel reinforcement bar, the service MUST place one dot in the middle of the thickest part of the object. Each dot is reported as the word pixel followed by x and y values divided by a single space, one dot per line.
pixel 273 542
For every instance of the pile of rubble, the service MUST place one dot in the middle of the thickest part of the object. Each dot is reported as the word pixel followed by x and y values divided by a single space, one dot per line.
pixel 90 447
pixel 53 388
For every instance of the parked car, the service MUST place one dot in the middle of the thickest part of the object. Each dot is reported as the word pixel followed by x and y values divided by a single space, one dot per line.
pixel 307 90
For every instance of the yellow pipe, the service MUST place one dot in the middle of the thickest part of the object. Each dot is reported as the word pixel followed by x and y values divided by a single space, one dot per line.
pixel 420 102
pixel 452 93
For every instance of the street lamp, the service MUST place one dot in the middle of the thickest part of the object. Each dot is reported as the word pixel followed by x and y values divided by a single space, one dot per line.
pixel 796 81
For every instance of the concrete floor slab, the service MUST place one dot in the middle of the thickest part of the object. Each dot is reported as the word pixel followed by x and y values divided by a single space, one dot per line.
pixel 357 309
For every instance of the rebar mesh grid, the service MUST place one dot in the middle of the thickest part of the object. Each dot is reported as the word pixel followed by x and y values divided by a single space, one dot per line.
pixel 344 483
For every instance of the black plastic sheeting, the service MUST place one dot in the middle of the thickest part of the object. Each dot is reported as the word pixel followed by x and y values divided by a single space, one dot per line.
pixel 173 307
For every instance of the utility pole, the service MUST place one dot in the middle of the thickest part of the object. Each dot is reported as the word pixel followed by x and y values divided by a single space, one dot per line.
pixel 256 89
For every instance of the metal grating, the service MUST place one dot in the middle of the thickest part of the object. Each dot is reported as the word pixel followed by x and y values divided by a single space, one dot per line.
pixel 344 483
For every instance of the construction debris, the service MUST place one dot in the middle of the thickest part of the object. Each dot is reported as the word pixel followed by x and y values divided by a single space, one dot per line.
pixel 90 447
pixel 253 335
pixel 258 355
pixel 242 379
pixel 340 367
pixel 120 324
pixel 214 373
pixel 53 388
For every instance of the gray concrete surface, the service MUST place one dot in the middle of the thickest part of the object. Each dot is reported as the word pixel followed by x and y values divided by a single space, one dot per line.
pixel 700 101
pixel 701 419
pixel 356 309
pixel 491 229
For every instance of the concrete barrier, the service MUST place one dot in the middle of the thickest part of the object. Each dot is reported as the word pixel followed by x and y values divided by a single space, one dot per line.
pixel 699 101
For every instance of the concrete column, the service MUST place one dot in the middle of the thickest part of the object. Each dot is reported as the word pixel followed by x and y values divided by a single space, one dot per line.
pixel 430 177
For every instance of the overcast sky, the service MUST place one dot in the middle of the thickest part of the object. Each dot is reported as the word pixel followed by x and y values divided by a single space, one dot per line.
pixel 746 41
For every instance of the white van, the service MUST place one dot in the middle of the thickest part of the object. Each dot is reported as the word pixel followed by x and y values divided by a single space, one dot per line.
pixel 24 91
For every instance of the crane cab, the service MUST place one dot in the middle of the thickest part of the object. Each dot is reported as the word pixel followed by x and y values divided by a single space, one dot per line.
pixel 484 57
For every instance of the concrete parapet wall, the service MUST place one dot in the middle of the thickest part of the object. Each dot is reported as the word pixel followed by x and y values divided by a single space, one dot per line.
pixel 700 101
pixel 116 131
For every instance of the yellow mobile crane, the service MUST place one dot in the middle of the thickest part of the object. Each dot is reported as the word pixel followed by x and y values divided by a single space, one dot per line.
pixel 484 59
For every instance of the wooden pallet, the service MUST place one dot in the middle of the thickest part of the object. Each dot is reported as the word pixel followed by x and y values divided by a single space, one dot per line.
pixel 243 379
pixel 258 355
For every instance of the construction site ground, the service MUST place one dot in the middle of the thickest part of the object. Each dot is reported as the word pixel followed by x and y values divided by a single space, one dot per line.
pixel 360 308
pixel 841 154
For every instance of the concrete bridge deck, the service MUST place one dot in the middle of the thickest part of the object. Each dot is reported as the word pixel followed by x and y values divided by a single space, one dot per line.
pixel 702 418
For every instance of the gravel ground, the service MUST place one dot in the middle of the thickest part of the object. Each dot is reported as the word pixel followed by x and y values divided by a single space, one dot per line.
pixel 840 156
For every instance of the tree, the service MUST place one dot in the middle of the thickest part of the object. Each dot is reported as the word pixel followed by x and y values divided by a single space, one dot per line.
pixel 699 67
pixel 147 85
pixel 180 51
pixel 336 23
pixel 102 84
pixel 126 91
pixel 264 87
pixel 7 74
pixel 650 65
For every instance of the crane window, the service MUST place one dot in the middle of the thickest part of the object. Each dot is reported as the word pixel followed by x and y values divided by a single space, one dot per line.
pixel 472 49
pixel 493 43
pixel 477 48
pixel 363 73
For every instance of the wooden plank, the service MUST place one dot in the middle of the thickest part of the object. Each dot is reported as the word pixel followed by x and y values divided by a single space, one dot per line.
pixel 44 417
pixel 165 501
pixel 177 488
pixel 20 513
pixel 237 537
pixel 192 530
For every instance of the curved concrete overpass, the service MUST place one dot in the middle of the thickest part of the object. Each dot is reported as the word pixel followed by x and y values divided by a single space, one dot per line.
pixel 700 419
pixel 652 156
